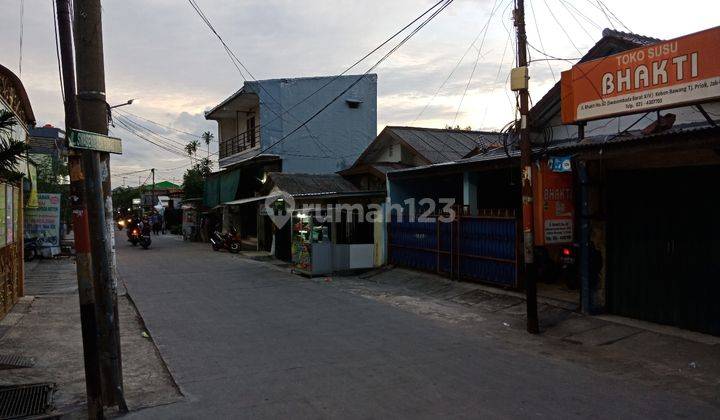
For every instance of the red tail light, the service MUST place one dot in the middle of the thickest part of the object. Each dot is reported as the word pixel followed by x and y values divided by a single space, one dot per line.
pixel 566 252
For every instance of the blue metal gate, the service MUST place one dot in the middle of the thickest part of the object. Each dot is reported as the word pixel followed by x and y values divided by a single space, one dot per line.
pixel 482 248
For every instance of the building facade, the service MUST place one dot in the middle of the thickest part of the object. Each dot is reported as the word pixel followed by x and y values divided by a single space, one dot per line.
pixel 13 192
pixel 268 117
pixel 626 192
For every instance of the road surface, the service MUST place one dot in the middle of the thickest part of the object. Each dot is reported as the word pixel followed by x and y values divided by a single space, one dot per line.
pixel 242 339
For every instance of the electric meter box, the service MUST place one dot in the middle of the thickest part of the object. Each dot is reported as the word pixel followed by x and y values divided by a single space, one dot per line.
pixel 519 78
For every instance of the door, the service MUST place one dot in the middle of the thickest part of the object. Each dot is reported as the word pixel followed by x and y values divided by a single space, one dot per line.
pixel 663 247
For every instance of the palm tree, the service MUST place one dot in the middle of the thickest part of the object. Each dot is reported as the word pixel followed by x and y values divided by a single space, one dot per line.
pixel 208 137
pixel 191 149
pixel 10 149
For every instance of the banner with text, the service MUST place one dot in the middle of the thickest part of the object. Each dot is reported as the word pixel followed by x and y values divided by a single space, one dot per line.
pixel 667 74
pixel 43 222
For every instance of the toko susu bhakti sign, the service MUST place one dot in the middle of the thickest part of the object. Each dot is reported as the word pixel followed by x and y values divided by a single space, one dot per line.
pixel 667 74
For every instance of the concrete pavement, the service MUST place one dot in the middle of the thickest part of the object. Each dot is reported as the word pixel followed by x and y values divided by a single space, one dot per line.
pixel 243 339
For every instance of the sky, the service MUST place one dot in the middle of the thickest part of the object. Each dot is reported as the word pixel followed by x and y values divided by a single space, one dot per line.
pixel 160 53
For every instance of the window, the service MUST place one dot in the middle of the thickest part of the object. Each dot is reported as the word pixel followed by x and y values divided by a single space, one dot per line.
pixel 390 150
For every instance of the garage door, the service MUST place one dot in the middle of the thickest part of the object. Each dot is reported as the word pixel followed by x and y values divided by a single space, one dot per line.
pixel 664 247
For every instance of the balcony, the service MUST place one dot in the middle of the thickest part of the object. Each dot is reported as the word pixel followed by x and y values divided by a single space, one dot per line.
pixel 238 144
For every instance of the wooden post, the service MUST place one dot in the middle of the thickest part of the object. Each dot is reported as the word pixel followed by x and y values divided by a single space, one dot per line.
pixel 528 219
pixel 88 321
pixel 93 114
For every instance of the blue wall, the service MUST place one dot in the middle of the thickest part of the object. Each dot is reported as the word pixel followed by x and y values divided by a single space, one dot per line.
pixel 332 140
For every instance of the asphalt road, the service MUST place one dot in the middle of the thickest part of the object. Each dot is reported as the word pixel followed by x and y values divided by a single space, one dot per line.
pixel 245 340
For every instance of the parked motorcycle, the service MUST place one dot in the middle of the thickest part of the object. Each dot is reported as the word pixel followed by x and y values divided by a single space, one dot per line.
pixel 228 241
pixel 31 249
pixel 568 267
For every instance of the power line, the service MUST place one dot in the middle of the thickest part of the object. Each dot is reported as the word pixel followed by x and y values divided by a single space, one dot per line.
pixel 562 3
pixel 537 29
pixel 141 127
pixel 167 148
pixel 457 65
pixel 322 87
pixel 22 31
pixel 497 76
pixel 613 15
pixel 157 123
pixel 401 43
pixel 583 15
pixel 477 58
pixel 57 51
pixel 236 62
pixel 560 25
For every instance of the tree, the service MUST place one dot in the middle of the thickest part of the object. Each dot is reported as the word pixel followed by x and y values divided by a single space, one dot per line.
pixel 207 137
pixel 191 148
pixel 11 150
pixel 194 178
pixel 122 197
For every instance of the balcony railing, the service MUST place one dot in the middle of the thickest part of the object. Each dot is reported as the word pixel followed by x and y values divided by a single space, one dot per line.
pixel 240 143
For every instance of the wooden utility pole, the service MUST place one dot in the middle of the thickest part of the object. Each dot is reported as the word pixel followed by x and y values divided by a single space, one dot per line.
pixel 528 218
pixel 88 321
pixel 152 204
pixel 93 110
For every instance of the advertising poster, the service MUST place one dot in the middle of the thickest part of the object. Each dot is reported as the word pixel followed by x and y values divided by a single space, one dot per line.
pixel 43 222
pixel 553 197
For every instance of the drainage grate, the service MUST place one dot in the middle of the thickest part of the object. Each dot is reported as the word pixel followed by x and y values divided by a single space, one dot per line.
pixel 13 361
pixel 26 400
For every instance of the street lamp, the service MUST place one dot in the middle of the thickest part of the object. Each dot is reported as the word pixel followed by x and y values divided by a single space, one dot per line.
pixel 129 102
pixel 110 108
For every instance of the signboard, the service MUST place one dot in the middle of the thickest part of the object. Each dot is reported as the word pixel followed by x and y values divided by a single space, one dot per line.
pixel 560 163
pixel 80 139
pixel 554 206
pixel 43 222
pixel 667 74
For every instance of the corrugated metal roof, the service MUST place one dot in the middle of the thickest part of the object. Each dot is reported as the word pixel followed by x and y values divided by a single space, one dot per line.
pixel 630 37
pixel 303 184
pixel 635 135
pixel 444 145
pixel 574 145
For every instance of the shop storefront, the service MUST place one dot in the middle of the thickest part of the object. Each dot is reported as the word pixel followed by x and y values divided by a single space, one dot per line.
pixel 14 192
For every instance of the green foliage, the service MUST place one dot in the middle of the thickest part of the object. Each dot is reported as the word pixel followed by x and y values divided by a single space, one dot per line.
pixel 122 196
pixel 10 149
pixel 192 147
pixel 194 178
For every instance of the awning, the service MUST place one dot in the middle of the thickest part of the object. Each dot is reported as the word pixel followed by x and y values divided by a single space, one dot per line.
pixel 251 200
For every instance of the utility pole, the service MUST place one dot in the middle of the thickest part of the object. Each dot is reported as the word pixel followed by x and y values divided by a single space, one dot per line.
pixel 92 108
pixel 88 321
pixel 152 204
pixel 528 218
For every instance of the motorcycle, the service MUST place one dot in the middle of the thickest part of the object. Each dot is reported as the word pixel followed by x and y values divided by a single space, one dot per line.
pixel 568 268
pixel 140 235
pixel 123 223
pixel 228 241
pixel 31 249
pixel 134 235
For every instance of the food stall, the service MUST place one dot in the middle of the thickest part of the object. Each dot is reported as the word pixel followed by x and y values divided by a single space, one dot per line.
pixel 321 246
pixel 312 244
